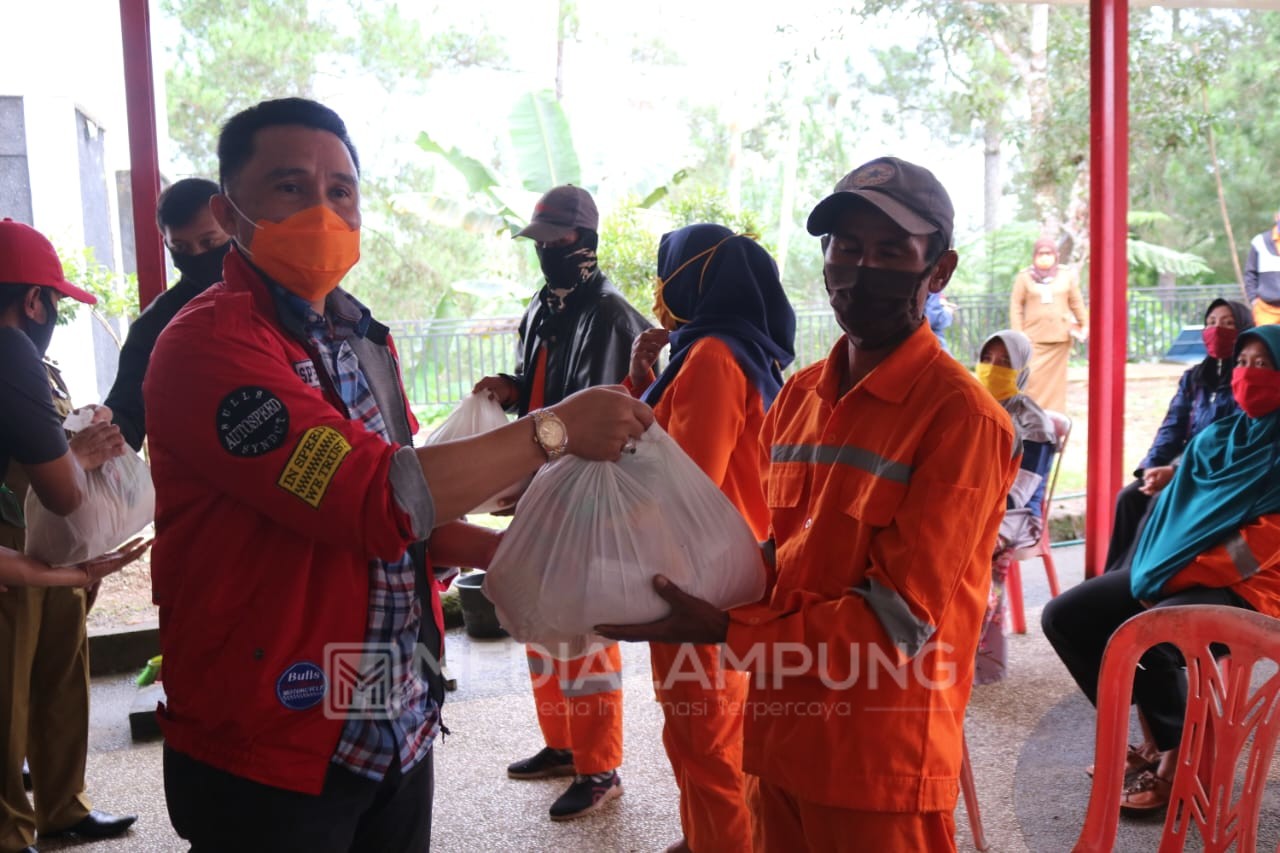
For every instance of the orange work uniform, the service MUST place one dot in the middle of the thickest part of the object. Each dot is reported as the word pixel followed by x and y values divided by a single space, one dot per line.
pixel 714 413
pixel 1248 562
pixel 884 507
pixel 578 701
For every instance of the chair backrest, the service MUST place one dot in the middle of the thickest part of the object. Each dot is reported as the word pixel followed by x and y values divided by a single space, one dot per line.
pixel 1225 720
pixel 1061 432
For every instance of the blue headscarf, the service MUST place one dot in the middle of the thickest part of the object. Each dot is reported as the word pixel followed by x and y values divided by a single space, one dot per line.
pixel 1229 476
pixel 717 283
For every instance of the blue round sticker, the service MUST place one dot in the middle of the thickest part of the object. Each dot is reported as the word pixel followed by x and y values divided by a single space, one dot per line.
pixel 301 686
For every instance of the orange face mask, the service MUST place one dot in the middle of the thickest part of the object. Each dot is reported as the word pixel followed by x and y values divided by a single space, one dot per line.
pixel 666 318
pixel 307 253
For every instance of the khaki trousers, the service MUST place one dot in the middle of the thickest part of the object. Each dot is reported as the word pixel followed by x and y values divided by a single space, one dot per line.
pixel 44 711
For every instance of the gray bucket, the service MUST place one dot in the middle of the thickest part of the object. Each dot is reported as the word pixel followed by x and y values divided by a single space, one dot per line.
pixel 478 613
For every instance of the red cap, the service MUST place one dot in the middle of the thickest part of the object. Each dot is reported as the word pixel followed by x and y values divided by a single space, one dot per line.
pixel 27 257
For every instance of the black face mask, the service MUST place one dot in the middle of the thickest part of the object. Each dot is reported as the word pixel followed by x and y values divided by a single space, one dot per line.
pixel 205 269
pixel 877 308
pixel 42 333
pixel 566 267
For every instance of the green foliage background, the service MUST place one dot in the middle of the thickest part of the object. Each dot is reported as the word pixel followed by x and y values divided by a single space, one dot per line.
pixel 435 248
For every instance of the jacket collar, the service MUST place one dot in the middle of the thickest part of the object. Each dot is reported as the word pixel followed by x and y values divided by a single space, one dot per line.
pixel 274 301
pixel 893 378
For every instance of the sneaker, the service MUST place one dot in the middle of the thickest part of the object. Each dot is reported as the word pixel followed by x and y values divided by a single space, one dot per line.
pixel 548 762
pixel 586 794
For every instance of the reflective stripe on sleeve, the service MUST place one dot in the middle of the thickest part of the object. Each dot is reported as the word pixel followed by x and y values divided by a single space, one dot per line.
pixel 539 665
pixel 904 629
pixel 1238 549
pixel 830 454
pixel 591 685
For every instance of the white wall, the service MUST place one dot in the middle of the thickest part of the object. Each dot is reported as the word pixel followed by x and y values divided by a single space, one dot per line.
pixel 60 56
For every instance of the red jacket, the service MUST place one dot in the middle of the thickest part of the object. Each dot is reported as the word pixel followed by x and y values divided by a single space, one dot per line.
pixel 269 504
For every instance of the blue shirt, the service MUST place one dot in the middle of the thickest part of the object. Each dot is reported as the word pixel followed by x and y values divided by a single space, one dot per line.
pixel 939 318
pixel 1192 408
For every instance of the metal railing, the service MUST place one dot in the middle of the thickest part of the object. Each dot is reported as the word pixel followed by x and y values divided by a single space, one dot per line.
pixel 1156 316
pixel 442 359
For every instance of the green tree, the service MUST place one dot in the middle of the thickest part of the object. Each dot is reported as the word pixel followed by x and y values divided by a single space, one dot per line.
pixel 231 55
pixel 1004 73
pixel 1238 106
pixel 629 236
pixel 794 145
pixel 117 294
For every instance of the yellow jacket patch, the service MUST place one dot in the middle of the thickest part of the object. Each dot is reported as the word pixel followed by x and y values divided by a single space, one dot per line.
pixel 313 463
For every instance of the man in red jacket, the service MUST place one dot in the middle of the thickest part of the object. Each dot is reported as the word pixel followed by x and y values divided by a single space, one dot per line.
pixel 290 508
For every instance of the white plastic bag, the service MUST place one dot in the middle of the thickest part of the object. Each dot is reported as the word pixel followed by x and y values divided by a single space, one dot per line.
pixel 119 501
pixel 476 414
pixel 588 538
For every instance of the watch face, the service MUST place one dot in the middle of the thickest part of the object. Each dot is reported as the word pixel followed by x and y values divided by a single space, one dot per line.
pixel 550 432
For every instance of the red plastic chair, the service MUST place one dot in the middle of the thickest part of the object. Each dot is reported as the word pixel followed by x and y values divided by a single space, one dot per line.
pixel 1013 581
pixel 970 793
pixel 1226 721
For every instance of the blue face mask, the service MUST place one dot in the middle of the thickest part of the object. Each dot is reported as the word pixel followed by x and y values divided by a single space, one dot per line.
pixel 42 333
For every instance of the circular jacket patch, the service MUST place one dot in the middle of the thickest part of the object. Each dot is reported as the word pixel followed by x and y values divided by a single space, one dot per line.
pixel 301 686
pixel 252 421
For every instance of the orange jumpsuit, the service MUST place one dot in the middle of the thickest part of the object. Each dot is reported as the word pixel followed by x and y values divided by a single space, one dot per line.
pixel 578 701
pixel 884 507
pixel 1248 562
pixel 714 413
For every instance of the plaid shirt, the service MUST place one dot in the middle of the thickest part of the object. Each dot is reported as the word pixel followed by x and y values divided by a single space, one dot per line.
pixel 412 719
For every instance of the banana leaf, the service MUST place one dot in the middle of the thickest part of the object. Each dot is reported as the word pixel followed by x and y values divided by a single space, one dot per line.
pixel 543 143
pixel 477 174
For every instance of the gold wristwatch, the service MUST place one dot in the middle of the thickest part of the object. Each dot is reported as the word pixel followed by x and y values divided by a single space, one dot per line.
pixel 549 433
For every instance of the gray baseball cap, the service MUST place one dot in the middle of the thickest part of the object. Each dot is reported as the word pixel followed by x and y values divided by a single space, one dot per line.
pixel 560 211
pixel 908 194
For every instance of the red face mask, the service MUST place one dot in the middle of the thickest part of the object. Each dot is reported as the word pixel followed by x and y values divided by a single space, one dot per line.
pixel 1219 341
pixel 1257 390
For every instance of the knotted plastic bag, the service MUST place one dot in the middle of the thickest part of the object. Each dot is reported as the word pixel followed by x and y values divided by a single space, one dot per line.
pixel 476 414
pixel 588 538
pixel 119 501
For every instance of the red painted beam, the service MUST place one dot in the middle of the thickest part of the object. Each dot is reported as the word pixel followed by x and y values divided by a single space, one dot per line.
pixel 140 99
pixel 1108 267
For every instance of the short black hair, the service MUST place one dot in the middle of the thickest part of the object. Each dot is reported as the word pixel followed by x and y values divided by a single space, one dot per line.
pixel 235 142
pixel 12 293
pixel 180 203
pixel 937 247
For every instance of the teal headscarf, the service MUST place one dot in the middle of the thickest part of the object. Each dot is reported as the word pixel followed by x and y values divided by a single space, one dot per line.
pixel 1229 476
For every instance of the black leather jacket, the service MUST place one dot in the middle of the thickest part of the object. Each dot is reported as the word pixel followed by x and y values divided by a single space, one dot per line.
pixel 589 344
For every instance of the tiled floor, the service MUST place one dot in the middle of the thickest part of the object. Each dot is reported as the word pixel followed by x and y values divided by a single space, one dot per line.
pixel 1030 737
